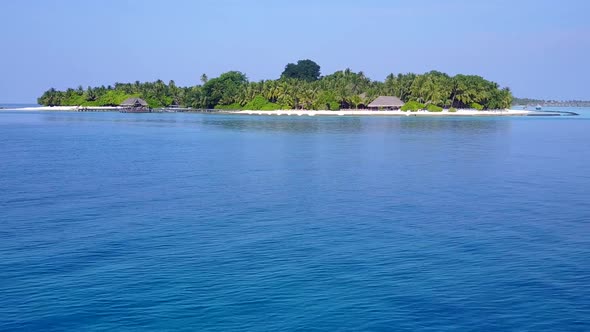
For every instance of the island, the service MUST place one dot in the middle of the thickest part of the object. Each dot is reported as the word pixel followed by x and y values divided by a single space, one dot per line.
pixel 301 88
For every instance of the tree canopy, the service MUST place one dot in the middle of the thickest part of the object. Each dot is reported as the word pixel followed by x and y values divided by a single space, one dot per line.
pixel 305 70
pixel 340 90
pixel 223 89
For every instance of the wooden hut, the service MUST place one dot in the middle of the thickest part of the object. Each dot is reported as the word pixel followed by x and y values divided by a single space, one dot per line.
pixel 386 103
pixel 175 104
pixel 135 105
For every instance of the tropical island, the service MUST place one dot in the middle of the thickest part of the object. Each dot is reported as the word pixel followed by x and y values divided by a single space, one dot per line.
pixel 300 87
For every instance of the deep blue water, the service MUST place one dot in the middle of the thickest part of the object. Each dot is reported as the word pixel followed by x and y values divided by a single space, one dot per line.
pixel 192 222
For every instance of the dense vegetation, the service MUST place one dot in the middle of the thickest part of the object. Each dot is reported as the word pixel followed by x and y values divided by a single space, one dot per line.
pixel 306 70
pixel 300 87
pixel 527 101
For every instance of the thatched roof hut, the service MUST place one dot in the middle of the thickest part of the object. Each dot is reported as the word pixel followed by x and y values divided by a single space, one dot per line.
pixel 134 102
pixel 175 104
pixel 135 105
pixel 386 102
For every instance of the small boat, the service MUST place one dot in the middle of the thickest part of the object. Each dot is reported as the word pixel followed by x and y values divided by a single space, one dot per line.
pixel 538 107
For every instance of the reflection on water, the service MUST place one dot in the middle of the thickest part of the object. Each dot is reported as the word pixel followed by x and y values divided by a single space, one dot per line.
pixel 356 124
pixel 288 124
pixel 472 125
pixel 125 118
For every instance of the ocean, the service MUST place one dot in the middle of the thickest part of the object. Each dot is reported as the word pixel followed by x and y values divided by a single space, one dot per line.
pixel 192 222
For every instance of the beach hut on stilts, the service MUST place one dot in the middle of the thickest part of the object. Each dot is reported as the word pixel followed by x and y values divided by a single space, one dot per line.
pixel 135 105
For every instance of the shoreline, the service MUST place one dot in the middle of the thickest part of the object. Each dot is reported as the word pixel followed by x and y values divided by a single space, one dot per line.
pixel 59 108
pixel 462 112
pixel 508 112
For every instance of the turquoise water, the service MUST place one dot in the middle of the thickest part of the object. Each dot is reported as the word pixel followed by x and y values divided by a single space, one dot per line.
pixel 193 222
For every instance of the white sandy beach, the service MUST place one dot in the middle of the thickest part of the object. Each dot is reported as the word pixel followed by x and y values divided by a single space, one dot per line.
pixel 394 113
pixel 464 112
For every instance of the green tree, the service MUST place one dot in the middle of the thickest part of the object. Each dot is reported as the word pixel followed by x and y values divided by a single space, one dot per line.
pixel 412 106
pixel 224 89
pixel 91 94
pixel 305 70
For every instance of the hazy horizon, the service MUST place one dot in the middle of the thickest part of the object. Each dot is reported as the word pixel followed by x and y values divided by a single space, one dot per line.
pixel 536 48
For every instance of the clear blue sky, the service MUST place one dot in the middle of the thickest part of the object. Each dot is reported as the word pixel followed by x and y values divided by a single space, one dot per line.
pixel 539 48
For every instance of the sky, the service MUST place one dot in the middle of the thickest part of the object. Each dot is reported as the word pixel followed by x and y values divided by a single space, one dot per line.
pixel 538 48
